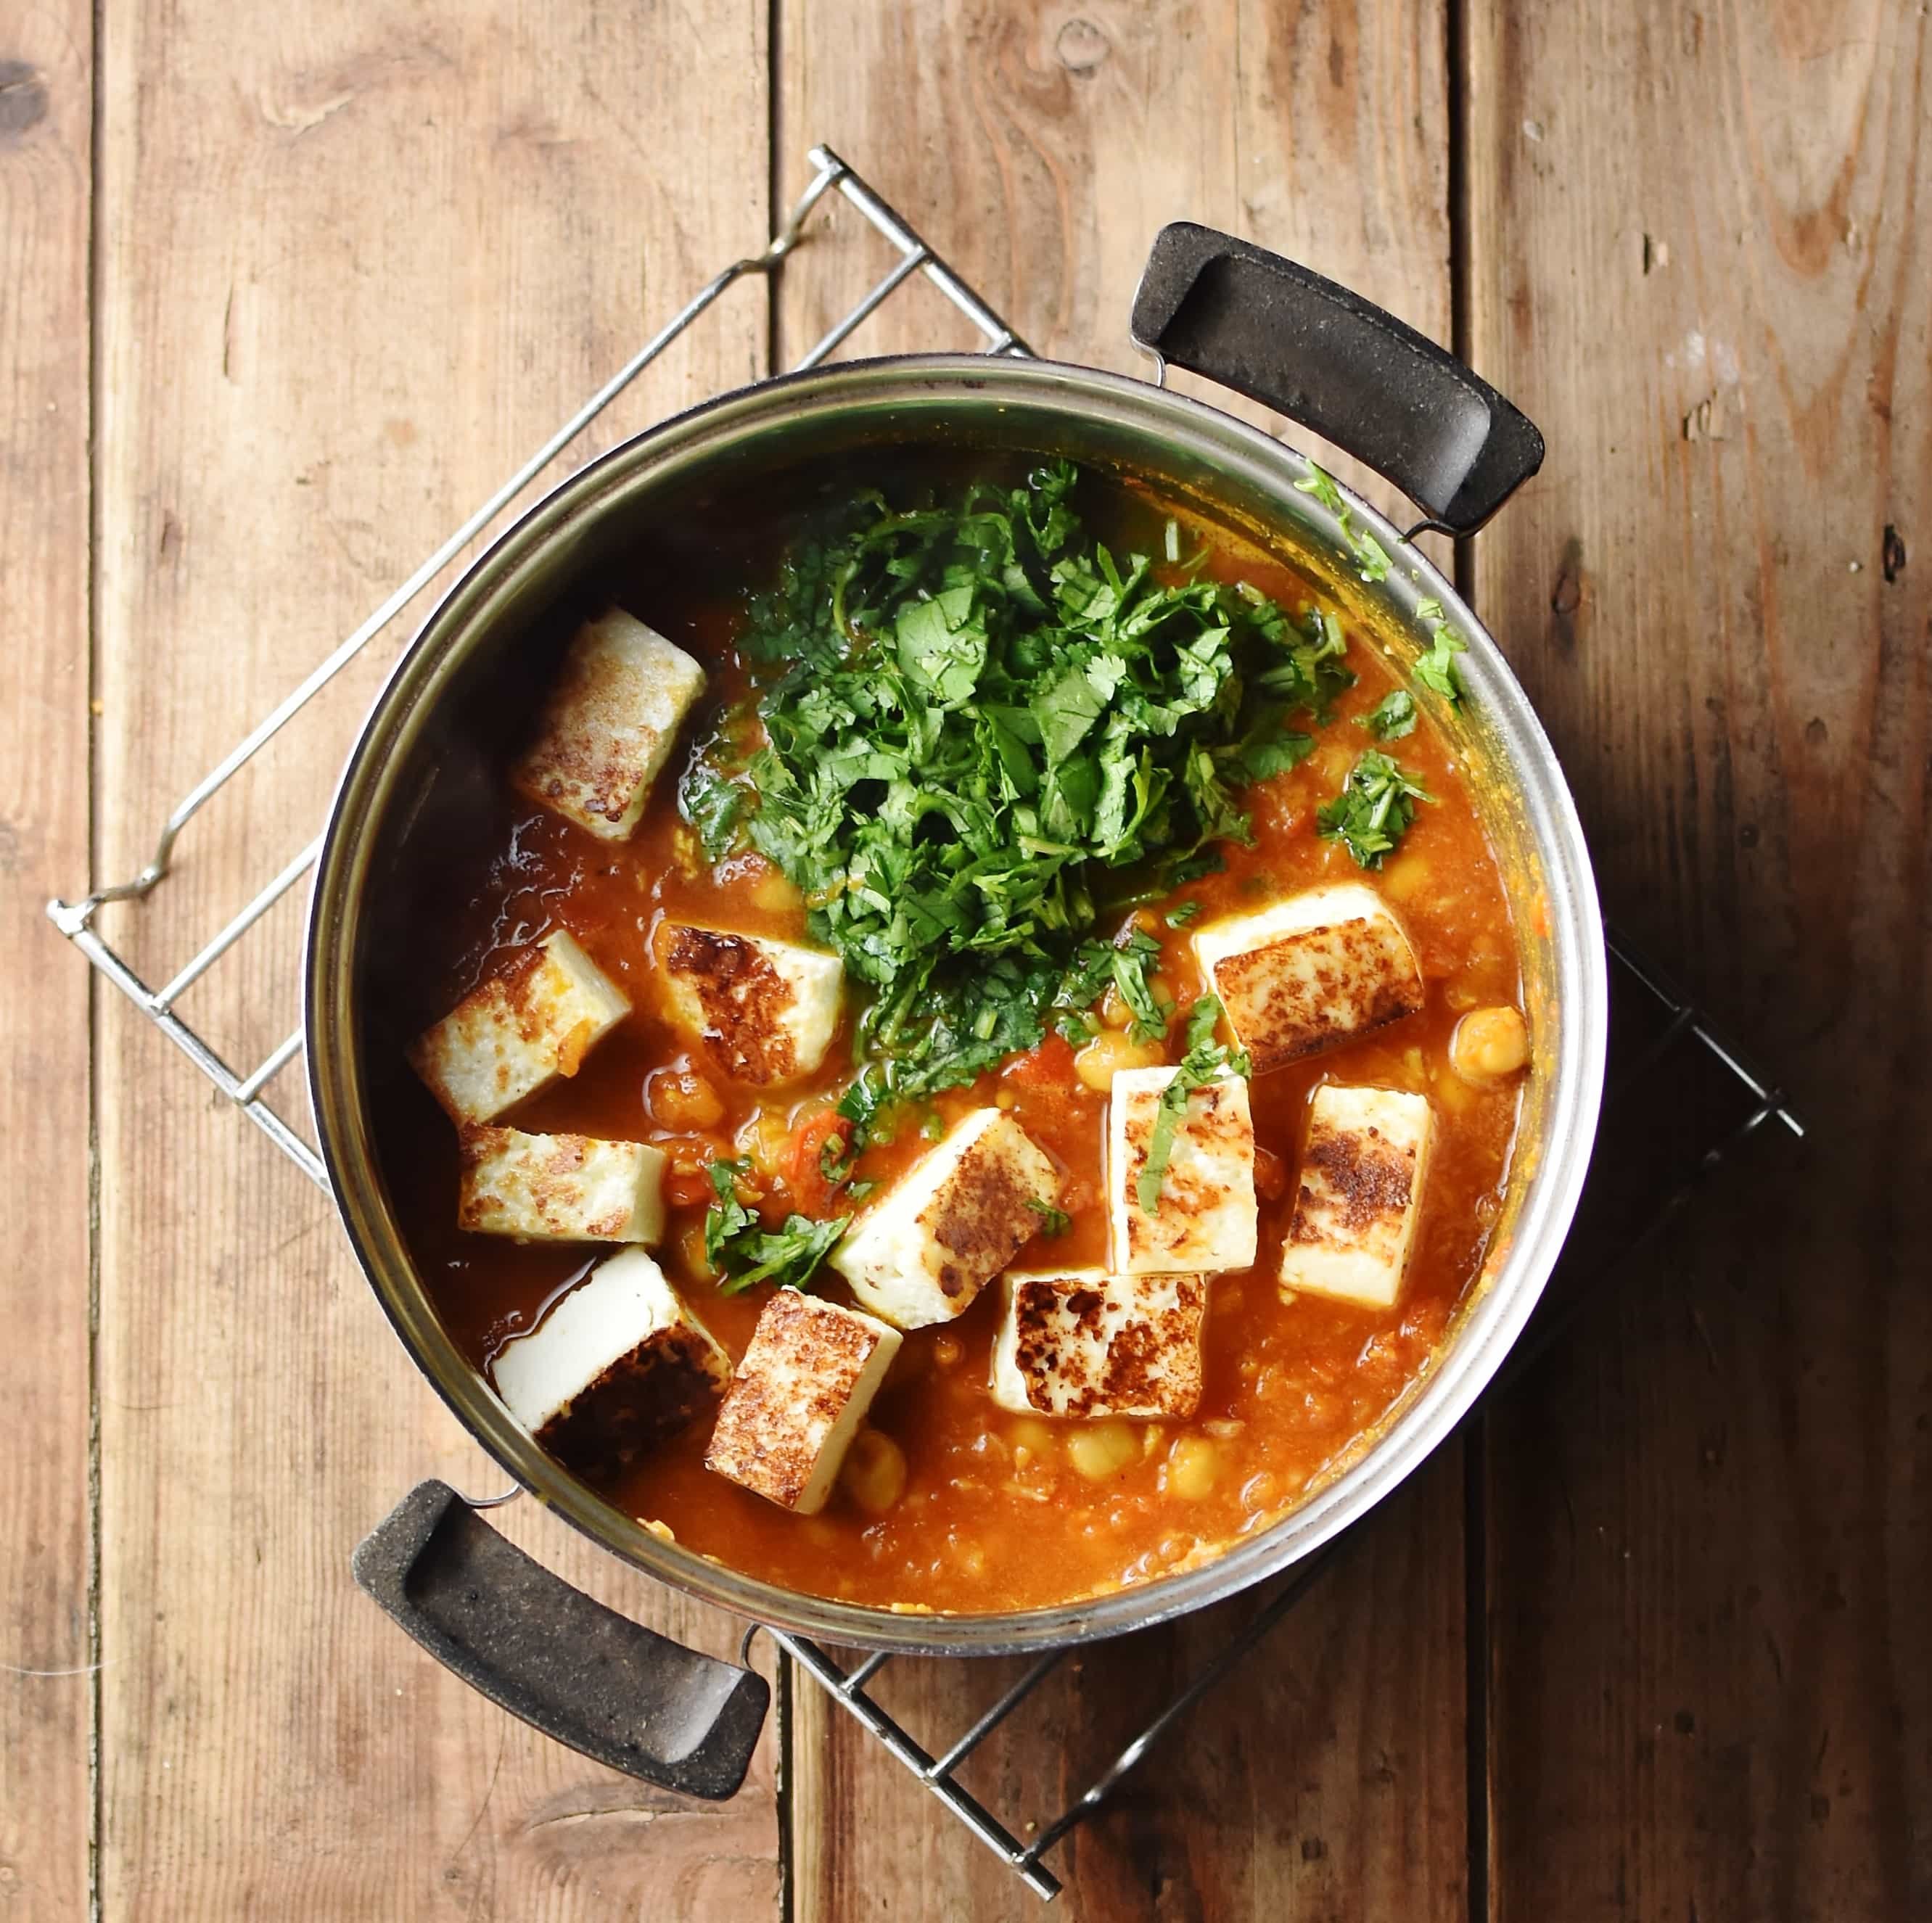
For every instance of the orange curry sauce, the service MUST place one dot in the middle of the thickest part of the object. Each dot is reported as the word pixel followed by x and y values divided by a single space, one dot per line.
pixel 998 1511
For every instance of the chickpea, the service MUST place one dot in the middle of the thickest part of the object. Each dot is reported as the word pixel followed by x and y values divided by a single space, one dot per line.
pixel 1192 1464
pixel 1104 1057
pixel 1406 877
pixel 1101 1450
pixel 681 1100
pixel 873 1474
pixel 685 852
pixel 1035 1437
pixel 775 894
pixel 765 1139
pixel 1489 1044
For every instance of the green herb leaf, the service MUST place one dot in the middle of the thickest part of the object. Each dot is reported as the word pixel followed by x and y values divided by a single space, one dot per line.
pixel 1324 489
pixel 1053 1221
pixel 1393 716
pixel 975 730
pixel 1374 809
pixel 1181 914
pixel 1437 669
pixel 1373 556
pixel 744 1252
pixel 1205 1061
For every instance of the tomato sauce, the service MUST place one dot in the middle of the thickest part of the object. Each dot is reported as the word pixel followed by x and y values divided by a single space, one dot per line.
pixel 997 1511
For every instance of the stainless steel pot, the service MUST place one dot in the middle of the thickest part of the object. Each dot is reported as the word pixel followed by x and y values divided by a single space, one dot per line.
pixel 1273 332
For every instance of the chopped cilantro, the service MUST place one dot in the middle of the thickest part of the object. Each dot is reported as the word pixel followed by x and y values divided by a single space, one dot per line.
pixel 1376 804
pixel 1205 1060
pixel 1181 914
pixel 1437 669
pixel 1393 716
pixel 1053 1221
pixel 744 1251
pixel 1371 556
pixel 976 732
pixel 1325 491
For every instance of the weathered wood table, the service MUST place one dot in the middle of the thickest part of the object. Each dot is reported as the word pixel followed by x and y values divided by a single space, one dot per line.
pixel 285 289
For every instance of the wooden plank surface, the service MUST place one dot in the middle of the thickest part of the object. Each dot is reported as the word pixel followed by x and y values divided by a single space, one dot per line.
pixel 351 265
pixel 1710 1542
pixel 356 263
pixel 1043 148
pixel 46 1686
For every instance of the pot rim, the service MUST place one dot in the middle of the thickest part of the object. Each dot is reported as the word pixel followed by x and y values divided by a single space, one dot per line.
pixel 1489 1324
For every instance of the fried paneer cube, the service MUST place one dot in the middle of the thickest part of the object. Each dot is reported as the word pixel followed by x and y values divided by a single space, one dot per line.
pixel 1355 1211
pixel 516 1032
pixel 798 1398
pixel 1310 972
pixel 1085 1344
pixel 765 1009
pixel 609 724
pixel 618 1366
pixel 560 1188
pixel 959 1216
pixel 1206 1216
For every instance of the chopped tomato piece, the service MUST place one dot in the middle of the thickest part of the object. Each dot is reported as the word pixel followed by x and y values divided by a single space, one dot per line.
pixel 683 1187
pixel 822 1137
pixel 1049 1065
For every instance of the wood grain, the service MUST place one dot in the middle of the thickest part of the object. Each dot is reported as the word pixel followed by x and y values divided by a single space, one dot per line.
pixel 356 263
pixel 1698 257
pixel 1041 147
pixel 46 1690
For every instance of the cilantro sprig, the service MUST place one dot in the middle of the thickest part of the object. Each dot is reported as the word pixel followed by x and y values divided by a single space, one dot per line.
pixel 1371 556
pixel 1393 716
pixel 977 732
pixel 744 1252
pixel 1206 1060
pixel 1374 809
pixel 1437 669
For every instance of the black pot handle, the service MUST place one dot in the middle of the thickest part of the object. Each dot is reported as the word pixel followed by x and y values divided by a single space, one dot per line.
pixel 1269 329
pixel 621 1693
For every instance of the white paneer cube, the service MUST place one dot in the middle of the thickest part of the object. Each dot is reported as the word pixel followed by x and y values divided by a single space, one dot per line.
pixel 1205 1219
pixel 609 724
pixel 1309 972
pixel 1086 1344
pixel 517 1032
pixel 798 1398
pixel 766 1009
pixel 951 1223
pixel 616 1366
pixel 560 1188
pixel 1361 1187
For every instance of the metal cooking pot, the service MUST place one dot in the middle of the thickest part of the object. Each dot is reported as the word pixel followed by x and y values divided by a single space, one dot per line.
pixel 1273 332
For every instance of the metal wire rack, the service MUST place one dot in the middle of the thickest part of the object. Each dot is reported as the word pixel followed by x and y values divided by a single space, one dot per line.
pixel 1640 1174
